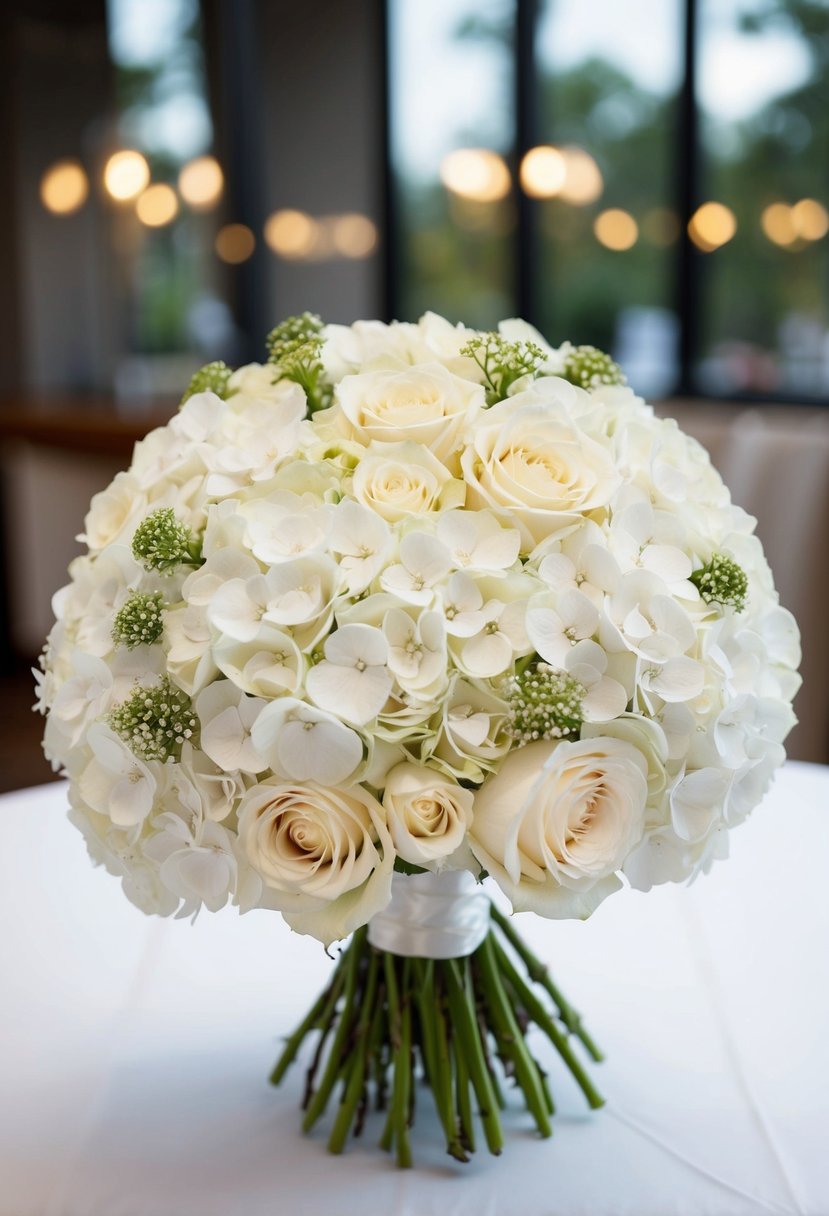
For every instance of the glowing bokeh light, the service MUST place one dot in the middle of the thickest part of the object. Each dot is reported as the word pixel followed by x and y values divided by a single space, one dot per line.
pixel 234 243
pixel 157 206
pixel 125 175
pixel 810 219
pixel 543 172
pixel 291 234
pixel 712 225
pixel 353 235
pixel 616 229
pixel 583 182
pixel 201 182
pixel 64 187
pixel 778 224
pixel 476 173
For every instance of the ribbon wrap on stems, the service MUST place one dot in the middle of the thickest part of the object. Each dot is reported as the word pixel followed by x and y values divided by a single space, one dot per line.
pixel 435 916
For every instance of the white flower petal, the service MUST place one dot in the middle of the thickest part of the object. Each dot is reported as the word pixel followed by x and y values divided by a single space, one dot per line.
pixel 353 695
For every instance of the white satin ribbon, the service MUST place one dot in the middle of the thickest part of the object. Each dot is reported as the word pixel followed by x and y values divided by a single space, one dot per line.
pixel 432 916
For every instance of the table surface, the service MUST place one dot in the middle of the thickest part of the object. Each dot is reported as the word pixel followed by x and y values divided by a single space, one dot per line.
pixel 134 1051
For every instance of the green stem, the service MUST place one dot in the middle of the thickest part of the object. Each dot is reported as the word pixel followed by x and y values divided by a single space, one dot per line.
pixel 403 1077
pixel 443 1062
pixel 468 1037
pixel 317 1104
pixel 543 1020
pixel 395 1032
pixel 424 977
pixel 509 1036
pixel 356 1070
pixel 539 974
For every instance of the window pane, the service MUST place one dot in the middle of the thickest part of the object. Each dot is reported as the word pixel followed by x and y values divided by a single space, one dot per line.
pixel 452 124
pixel 763 312
pixel 608 223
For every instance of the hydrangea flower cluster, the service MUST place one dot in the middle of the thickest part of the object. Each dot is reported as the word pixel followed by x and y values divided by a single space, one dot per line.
pixel 412 595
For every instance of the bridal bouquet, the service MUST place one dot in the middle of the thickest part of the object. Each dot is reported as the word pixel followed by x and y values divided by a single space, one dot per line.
pixel 405 608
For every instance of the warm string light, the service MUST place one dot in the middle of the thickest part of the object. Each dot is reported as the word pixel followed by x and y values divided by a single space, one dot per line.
pixel 477 174
pixel 126 174
pixel 711 226
pixel 64 187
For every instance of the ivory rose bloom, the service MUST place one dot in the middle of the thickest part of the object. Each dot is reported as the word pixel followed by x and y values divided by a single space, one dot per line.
pixel 401 479
pixel 426 404
pixel 323 854
pixel 428 813
pixel 527 460
pixel 557 821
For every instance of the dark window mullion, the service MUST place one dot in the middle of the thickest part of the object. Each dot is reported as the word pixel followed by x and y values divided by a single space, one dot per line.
pixel 527 265
pixel 688 194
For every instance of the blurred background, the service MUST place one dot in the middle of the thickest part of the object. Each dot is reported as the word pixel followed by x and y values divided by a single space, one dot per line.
pixel 178 175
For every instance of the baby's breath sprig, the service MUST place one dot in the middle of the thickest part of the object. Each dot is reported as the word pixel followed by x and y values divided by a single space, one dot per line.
pixel 212 378
pixel 162 542
pixel 155 722
pixel 294 348
pixel 140 622
pixel 502 362
pixel 722 581
pixel 544 703
pixel 588 367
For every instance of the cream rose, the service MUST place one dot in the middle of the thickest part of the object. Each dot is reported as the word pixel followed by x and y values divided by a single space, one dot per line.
pixel 428 814
pixel 324 854
pixel 402 479
pixel 426 404
pixel 558 820
pixel 529 462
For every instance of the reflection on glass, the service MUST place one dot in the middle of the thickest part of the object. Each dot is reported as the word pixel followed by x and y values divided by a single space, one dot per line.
pixel 764 307
pixel 452 123
pixel 605 180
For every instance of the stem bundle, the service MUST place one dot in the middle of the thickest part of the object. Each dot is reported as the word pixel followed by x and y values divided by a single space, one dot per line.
pixel 384 1021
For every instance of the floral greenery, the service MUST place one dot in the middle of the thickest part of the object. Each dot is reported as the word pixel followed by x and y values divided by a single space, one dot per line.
pixel 588 367
pixel 212 378
pixel 503 362
pixel 295 347
pixel 155 722
pixel 141 620
pixel 544 704
pixel 162 542
pixel 384 1020
pixel 722 581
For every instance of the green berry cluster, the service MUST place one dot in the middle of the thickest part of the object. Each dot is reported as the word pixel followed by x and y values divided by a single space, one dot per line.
pixel 162 542
pixel 544 703
pixel 588 367
pixel 155 722
pixel 212 378
pixel 295 347
pixel 140 621
pixel 722 581
pixel 502 362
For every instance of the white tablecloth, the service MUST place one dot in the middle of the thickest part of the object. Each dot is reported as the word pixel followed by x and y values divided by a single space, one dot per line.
pixel 134 1052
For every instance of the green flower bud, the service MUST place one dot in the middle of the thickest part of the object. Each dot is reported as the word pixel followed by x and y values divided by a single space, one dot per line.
pixel 588 367
pixel 155 722
pixel 141 620
pixel 543 704
pixel 502 362
pixel 212 378
pixel 722 582
pixel 162 542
